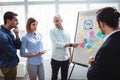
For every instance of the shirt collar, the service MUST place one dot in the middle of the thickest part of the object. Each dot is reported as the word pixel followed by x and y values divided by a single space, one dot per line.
pixel 6 30
pixel 111 33
pixel 59 29
pixel 32 33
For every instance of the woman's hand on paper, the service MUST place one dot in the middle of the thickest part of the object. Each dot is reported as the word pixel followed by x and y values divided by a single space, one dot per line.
pixel 41 52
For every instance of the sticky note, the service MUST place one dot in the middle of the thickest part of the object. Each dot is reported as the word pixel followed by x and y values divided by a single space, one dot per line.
pixel 81 39
pixel 82 45
pixel 81 31
pixel 92 33
pixel 88 46
pixel 90 50
pixel 85 41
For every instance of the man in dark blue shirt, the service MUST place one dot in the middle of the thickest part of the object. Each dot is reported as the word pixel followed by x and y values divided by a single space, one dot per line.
pixel 9 45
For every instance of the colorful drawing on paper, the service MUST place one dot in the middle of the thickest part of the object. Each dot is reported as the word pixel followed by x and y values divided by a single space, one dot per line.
pixel 88 35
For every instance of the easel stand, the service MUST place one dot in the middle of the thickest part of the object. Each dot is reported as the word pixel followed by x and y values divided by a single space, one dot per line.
pixel 71 72
pixel 74 66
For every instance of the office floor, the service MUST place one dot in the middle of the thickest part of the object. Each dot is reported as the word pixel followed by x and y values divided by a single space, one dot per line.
pixel 1 78
pixel 28 79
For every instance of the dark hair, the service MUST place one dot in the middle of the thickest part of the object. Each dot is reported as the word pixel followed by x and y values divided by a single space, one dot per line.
pixel 9 15
pixel 109 15
pixel 29 22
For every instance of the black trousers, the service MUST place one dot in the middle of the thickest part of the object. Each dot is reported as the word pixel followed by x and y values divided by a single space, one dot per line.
pixel 56 65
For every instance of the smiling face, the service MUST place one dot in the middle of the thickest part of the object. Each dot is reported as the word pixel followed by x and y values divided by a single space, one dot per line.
pixel 57 22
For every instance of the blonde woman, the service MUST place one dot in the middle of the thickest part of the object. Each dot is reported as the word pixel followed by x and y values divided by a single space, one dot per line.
pixel 31 49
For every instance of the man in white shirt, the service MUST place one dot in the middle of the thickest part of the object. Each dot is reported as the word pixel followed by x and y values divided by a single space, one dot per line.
pixel 60 43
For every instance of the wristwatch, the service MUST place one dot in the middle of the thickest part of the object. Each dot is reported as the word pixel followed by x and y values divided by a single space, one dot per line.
pixel 70 45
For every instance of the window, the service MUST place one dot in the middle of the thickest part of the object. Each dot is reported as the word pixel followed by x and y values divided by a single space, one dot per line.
pixel 72 0
pixel 40 0
pixel 19 10
pixel 98 5
pixel 44 11
pixel 69 13
pixel 44 14
pixel 11 0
